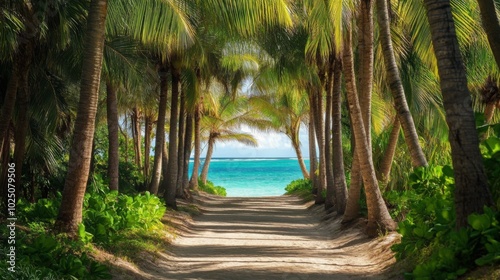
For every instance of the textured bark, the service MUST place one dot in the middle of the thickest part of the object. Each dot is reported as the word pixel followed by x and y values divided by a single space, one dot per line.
pixel 136 133
pixel 113 152
pixel 491 26
pixel 471 185
pixel 338 154
pixel 193 183
pixel 396 86
pixel 378 215
pixel 330 187
pixel 208 157
pixel 300 157
pixel 173 165
pixel 187 152
pixel 160 133
pixel 386 163
pixel 70 212
pixel 148 130
pixel 164 168
pixel 181 143
pixel 320 137
pixel 313 164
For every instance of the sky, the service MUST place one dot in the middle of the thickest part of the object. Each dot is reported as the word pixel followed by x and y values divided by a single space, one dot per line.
pixel 270 145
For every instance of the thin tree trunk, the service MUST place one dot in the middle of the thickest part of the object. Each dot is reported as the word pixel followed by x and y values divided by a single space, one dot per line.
pixel 396 86
pixel 11 93
pixel 193 183
pixel 471 184
pixel 173 165
pixel 114 145
pixel 187 152
pixel 491 26
pixel 136 128
pixel 148 130
pixel 208 157
pixel 3 173
pixel 164 167
pixel 330 187
pixel 386 164
pixel 70 212
pixel 320 137
pixel 181 143
pixel 312 153
pixel 160 132
pixel 338 154
pixel 298 152
pixel 378 215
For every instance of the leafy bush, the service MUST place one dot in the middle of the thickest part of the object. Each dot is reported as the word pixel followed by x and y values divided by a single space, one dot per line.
pixel 210 188
pixel 301 188
pixel 105 214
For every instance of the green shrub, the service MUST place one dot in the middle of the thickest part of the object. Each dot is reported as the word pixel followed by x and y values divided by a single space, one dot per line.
pixel 210 188
pixel 301 188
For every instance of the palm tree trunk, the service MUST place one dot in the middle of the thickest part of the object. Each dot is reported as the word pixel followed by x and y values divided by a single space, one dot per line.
pixel 181 143
pixel 193 183
pixel 320 137
pixel 148 130
pixel 21 129
pixel 136 129
pixel 471 184
pixel 489 112
pixel 164 168
pixel 160 132
pixel 3 171
pixel 312 153
pixel 208 157
pixel 187 153
pixel 298 152
pixel 70 212
pixel 113 152
pixel 396 86
pixel 491 26
pixel 173 165
pixel 330 187
pixel 338 154
pixel 386 164
pixel 378 215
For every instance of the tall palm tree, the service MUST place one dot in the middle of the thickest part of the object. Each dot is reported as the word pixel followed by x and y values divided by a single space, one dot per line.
pixel 70 212
pixel 491 25
pixel 471 185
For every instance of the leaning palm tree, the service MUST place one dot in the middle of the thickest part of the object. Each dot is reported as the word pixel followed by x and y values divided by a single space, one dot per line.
pixel 222 121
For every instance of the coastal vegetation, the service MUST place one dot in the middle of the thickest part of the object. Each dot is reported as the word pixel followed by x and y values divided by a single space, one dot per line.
pixel 104 102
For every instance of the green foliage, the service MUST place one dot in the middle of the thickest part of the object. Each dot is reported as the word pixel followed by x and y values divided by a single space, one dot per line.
pixel 301 188
pixel 209 187
pixel 430 242
pixel 490 149
pixel 106 214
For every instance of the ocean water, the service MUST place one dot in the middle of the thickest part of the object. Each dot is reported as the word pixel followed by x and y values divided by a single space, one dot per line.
pixel 251 177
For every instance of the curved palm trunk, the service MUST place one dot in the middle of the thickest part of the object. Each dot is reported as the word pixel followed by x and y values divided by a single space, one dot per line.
pixel 378 215
pixel 386 164
pixel 193 183
pixel 396 86
pixel 338 154
pixel 113 153
pixel 208 157
pixel 491 26
pixel 70 212
pixel 471 184
pixel 298 152
pixel 160 133
pixel 173 165
pixel 330 187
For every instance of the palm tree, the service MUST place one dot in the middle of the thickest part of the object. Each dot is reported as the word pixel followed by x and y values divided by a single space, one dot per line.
pixel 471 185
pixel 378 215
pixel 70 212
pixel 222 121
pixel 491 26
pixel 396 86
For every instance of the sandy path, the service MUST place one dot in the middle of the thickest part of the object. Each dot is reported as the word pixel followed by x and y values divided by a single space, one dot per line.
pixel 270 238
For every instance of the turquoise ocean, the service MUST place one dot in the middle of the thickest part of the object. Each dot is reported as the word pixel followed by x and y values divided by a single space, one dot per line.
pixel 250 177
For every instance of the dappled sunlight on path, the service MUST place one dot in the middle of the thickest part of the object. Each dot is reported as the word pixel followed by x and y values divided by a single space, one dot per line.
pixel 269 238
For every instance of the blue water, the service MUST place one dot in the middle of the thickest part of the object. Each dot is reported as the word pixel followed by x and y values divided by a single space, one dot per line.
pixel 253 177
